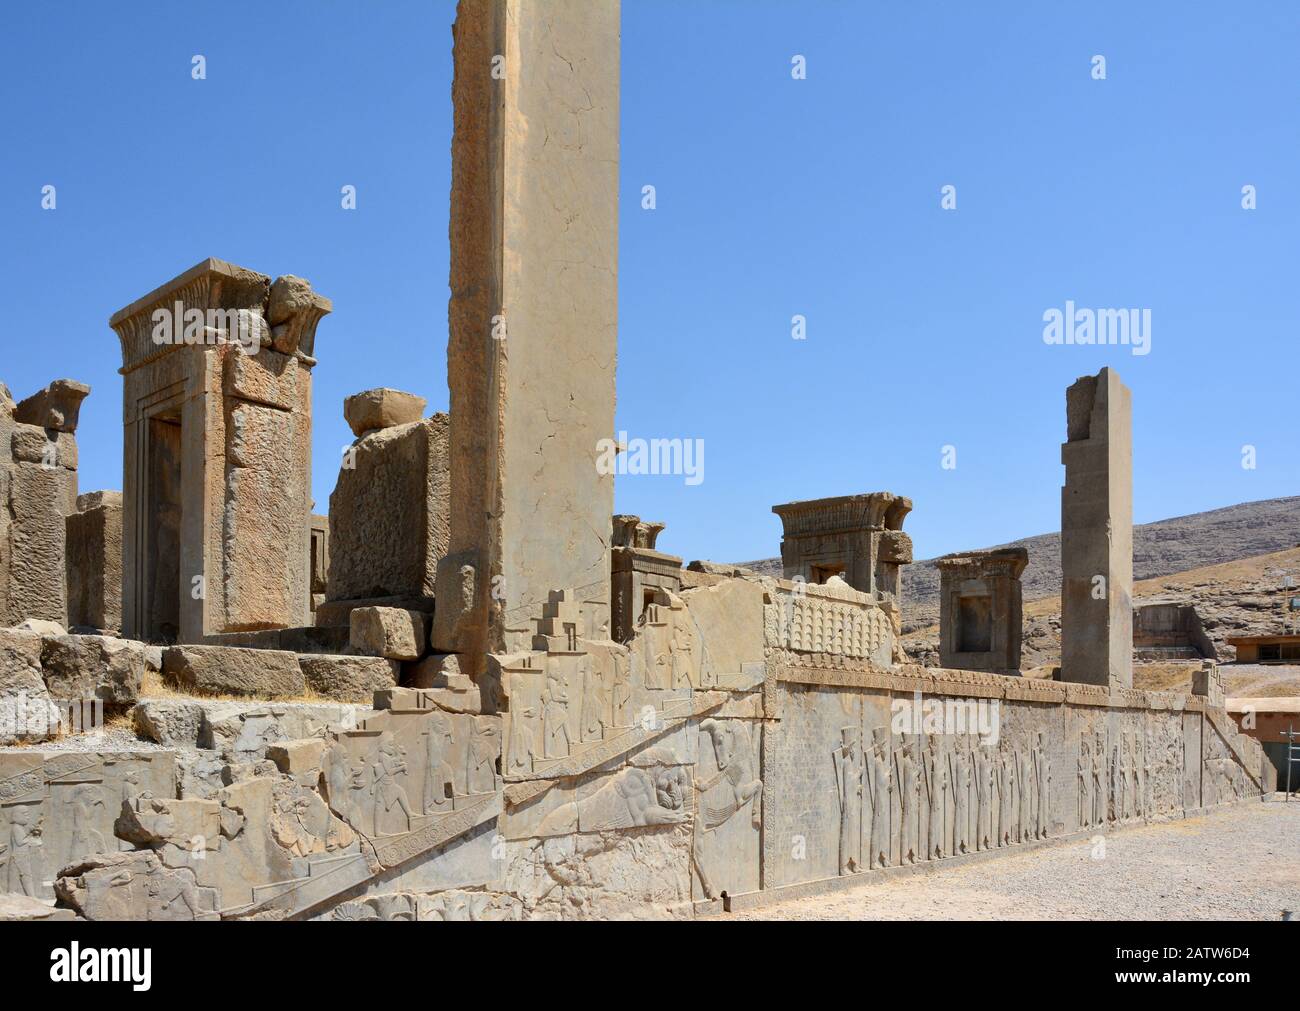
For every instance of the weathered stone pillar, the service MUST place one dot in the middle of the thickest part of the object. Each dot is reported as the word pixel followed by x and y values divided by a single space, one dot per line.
pixel 1097 533
pixel 94 561
pixel 533 318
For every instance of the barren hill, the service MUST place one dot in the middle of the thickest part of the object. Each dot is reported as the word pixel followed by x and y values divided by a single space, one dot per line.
pixel 1159 549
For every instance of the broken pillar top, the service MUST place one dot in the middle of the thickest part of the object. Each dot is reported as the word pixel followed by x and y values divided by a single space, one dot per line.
pixel 995 561
pixel 373 410
pixel 284 314
pixel 878 510
pixel 634 532
pixel 56 407
pixel 97 499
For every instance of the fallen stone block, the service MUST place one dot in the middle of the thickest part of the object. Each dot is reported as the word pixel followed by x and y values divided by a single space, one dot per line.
pixel 193 825
pixel 388 632
pixel 372 410
pixel 134 886
pixel 224 670
pixel 174 723
pixel 348 678
pixel 42 627
pixel 93 666
pixel 16 907
pixel 302 759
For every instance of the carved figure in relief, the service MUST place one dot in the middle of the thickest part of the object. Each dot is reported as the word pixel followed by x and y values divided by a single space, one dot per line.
pixel 848 777
pixel 881 785
pixel 983 799
pixel 1024 768
pixel 725 793
pixel 909 803
pixel 1085 783
pixel 683 647
pixel 936 768
pixel 22 852
pixel 389 797
pixel 595 700
pixel 555 716
pixel 86 839
pixel 1148 780
pixel 439 780
pixel 1099 781
pixel 1117 783
pixel 1006 794
pixel 962 782
pixel 622 692
pixel 1043 776
pixel 523 748
pixel 481 758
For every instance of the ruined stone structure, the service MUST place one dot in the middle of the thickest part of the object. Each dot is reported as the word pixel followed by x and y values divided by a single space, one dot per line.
pixel 980 609
pixel 38 490
pixel 857 537
pixel 388 522
pixel 1170 630
pixel 593 731
pixel 533 320
pixel 639 571
pixel 94 561
pixel 216 368
pixel 1097 533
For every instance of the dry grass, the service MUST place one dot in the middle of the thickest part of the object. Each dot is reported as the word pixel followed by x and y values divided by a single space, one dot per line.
pixel 152 686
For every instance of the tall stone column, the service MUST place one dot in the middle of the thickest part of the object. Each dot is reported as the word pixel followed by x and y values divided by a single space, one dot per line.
pixel 532 319
pixel 1097 533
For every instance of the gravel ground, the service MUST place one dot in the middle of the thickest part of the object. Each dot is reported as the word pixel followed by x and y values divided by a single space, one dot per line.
pixel 1240 863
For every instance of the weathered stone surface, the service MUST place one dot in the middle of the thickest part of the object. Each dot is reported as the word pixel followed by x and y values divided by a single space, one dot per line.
pixel 154 821
pixel 33 574
pixel 56 407
pixel 134 886
pixel 42 627
pixel 217 469
pixel 441 678
pixel 729 619
pixel 26 711
pixel 175 723
pixel 302 759
pixel 348 678
pixel 242 731
pixel 93 667
pixel 222 670
pixel 981 609
pixel 389 513
pixel 1097 533
pixel 16 907
pixel 389 632
pixel 44 447
pixel 373 410
pixel 534 258
pixel 293 311
pixel 94 561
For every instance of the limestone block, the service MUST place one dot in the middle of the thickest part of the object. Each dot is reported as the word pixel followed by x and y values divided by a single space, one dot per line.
pixel 134 886
pixel 348 678
pixel 35 445
pixel 16 907
pixel 93 667
pixel 175 723
pixel 242 731
pixel 224 670
pixel 302 759
pixel 58 406
pixel 388 632
pixel 41 627
pixel 154 821
pixel 94 561
pixel 40 497
pixel 372 410
pixel 267 377
pixel 729 617
pixel 446 686
pixel 26 711
pixel 389 513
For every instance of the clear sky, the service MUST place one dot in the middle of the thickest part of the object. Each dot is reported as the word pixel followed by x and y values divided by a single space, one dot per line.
pixel 775 197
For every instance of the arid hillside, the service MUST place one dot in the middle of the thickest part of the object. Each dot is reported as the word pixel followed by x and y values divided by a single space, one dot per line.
pixel 1183 544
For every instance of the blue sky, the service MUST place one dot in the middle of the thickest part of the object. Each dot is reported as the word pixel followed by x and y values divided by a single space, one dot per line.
pixel 775 197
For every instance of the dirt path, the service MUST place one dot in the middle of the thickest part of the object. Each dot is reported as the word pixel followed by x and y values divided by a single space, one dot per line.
pixel 1241 863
